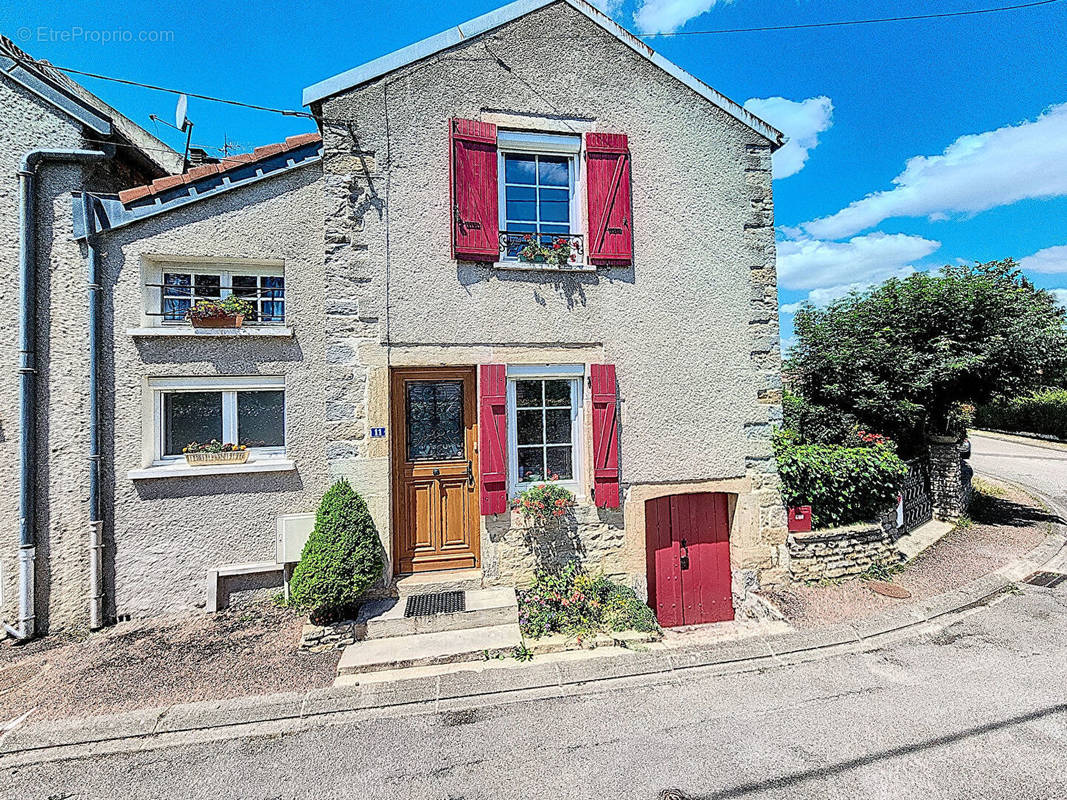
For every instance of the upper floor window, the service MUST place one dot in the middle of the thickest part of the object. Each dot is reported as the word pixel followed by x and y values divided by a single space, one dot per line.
pixel 538 198
pixel 173 288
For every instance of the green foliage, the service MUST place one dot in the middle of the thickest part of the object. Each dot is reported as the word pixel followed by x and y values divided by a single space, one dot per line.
pixel 841 484
pixel 901 357
pixel 229 306
pixel 572 601
pixel 1043 412
pixel 816 424
pixel 342 557
pixel 214 446
pixel 543 502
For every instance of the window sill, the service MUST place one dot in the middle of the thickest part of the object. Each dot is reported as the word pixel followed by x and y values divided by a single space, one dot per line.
pixel 530 266
pixel 188 331
pixel 181 469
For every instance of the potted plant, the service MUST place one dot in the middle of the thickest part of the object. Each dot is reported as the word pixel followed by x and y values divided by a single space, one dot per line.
pixel 215 452
pixel 544 502
pixel 556 252
pixel 229 312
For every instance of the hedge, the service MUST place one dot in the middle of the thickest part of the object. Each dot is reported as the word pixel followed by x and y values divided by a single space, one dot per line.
pixel 1042 412
pixel 842 485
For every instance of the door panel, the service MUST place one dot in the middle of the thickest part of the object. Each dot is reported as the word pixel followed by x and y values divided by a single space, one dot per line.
pixel 435 519
pixel 688 551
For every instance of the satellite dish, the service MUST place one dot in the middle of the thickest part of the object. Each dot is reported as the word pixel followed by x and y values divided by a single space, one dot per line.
pixel 179 113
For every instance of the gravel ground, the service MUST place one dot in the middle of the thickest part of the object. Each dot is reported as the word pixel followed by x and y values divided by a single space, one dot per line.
pixel 246 650
pixel 1004 527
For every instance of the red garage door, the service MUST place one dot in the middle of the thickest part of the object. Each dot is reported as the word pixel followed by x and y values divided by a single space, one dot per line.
pixel 687 541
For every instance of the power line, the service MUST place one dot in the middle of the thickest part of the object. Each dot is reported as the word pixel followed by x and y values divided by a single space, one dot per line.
pixel 839 23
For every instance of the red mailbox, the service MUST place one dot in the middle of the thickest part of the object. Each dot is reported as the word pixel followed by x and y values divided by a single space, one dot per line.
pixel 799 519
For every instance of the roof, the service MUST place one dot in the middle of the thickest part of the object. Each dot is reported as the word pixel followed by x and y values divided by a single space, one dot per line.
pixel 502 16
pixel 225 165
pixel 176 191
pixel 77 102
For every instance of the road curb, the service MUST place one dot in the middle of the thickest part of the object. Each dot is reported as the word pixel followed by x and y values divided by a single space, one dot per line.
pixel 292 711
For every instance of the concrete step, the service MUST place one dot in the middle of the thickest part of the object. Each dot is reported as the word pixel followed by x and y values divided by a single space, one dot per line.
pixel 445 581
pixel 485 608
pixel 424 649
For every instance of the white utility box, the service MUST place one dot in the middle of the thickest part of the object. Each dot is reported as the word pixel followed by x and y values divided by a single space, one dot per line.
pixel 293 532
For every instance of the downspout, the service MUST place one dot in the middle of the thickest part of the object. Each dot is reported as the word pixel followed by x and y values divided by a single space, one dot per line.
pixel 26 625
pixel 96 522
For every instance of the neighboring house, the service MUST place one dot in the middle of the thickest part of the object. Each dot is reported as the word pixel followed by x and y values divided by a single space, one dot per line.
pixel 410 338
pixel 40 108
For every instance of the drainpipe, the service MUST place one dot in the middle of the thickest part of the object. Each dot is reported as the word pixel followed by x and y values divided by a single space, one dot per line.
pixel 96 522
pixel 26 625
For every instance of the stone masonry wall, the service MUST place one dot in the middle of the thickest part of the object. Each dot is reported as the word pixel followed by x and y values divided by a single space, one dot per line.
pixel 950 480
pixel 844 552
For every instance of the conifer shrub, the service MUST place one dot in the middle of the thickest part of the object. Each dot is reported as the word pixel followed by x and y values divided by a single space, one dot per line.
pixel 342 558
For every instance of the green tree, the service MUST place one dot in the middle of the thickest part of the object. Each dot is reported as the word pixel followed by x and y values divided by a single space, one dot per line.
pixel 901 357
pixel 342 557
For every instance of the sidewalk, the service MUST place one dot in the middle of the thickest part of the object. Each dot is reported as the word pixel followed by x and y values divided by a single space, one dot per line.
pixel 559 675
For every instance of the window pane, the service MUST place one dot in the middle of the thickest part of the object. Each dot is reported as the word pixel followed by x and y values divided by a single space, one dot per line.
pixel 207 285
pixel 558 393
pixel 558 426
pixel 530 427
pixel 559 230
pixel 521 210
pixel 273 311
pixel 528 193
pixel 527 393
pixel 245 285
pixel 176 283
pixel 261 418
pixel 435 420
pixel 531 464
pixel 553 171
pixel 175 308
pixel 519 169
pixel 555 205
pixel 559 463
pixel 190 417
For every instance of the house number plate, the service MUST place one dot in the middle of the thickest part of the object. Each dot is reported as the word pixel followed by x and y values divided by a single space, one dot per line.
pixel 377 433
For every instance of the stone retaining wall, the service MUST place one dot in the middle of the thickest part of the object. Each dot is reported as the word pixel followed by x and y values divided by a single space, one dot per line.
pixel 317 638
pixel 950 479
pixel 844 552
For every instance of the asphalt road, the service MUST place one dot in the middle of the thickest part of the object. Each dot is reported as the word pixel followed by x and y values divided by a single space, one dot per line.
pixel 978 710
pixel 1042 467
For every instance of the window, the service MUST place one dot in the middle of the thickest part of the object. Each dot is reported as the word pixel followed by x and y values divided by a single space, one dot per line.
pixel 248 411
pixel 175 289
pixel 538 176
pixel 544 424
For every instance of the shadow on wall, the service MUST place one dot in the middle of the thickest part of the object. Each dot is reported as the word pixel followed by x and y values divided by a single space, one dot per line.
pixel 570 286
pixel 173 488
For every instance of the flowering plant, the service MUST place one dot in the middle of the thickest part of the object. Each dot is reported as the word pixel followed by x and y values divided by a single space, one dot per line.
pixel 544 502
pixel 230 306
pixel 556 251
pixel 214 446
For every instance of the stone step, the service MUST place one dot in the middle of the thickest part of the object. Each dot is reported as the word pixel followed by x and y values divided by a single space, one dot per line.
pixel 445 581
pixel 485 608
pixel 424 649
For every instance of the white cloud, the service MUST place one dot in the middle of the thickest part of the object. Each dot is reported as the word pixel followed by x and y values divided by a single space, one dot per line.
pixel 1061 296
pixel 609 7
pixel 818 264
pixel 802 122
pixel 1049 260
pixel 667 16
pixel 823 297
pixel 974 173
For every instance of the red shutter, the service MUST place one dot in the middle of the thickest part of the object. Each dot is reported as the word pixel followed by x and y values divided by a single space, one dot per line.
pixel 607 179
pixel 474 190
pixel 493 437
pixel 605 435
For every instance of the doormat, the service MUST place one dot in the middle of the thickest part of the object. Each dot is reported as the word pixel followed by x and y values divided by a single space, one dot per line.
pixel 1046 579
pixel 888 589
pixel 423 605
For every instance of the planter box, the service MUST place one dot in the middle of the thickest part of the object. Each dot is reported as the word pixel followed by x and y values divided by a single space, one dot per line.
pixel 218 322
pixel 203 459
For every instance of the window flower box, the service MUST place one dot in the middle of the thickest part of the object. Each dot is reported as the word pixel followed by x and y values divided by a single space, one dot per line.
pixel 229 312
pixel 214 452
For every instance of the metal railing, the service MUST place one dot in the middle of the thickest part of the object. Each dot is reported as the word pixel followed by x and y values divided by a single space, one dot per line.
pixel 550 249
pixel 182 298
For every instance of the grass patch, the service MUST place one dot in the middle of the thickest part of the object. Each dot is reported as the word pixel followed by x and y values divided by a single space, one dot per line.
pixel 982 486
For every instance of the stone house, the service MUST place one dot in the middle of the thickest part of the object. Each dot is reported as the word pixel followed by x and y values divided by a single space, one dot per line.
pixel 500 261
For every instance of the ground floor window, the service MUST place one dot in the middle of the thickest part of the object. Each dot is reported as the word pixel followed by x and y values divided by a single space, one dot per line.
pixel 248 411
pixel 544 424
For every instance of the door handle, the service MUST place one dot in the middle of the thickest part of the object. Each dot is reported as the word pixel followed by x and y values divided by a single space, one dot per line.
pixel 470 474
pixel 684 557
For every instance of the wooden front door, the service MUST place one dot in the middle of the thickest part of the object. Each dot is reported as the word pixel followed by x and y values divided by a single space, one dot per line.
pixel 435 469
pixel 687 542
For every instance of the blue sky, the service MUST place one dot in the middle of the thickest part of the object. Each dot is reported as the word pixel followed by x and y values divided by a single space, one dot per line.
pixel 915 143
